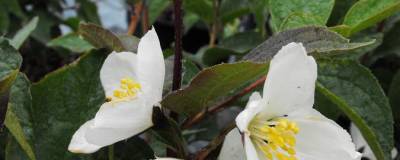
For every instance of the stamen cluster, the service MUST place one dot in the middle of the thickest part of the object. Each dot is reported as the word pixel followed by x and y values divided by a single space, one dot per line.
pixel 275 138
pixel 128 88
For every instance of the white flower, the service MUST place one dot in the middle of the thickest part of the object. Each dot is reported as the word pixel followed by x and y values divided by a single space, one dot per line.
pixel 362 145
pixel 133 84
pixel 282 124
pixel 167 158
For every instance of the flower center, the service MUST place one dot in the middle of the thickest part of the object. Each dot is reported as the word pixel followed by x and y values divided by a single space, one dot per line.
pixel 128 89
pixel 275 138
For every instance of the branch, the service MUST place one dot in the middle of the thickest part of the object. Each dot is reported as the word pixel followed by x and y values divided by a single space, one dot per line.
pixel 177 77
pixel 137 9
pixel 214 26
pixel 145 18
pixel 200 116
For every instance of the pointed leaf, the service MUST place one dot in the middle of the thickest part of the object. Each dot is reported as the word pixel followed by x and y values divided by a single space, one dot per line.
pixel 318 40
pixel 18 119
pixel 100 37
pixel 24 33
pixel 366 13
pixel 10 62
pixel 357 93
pixel 71 41
pixel 64 100
pixel 211 85
pixel 282 9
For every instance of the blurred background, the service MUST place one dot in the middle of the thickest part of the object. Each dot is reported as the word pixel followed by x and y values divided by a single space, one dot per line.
pixel 215 31
pixel 62 17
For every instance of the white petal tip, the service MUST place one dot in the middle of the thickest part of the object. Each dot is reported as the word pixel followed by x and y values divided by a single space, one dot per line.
pixel 151 34
pixel 357 156
pixel 83 149
pixel 293 46
pixel 79 143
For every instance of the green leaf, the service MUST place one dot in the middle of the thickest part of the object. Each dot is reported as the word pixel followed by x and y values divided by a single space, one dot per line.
pixel 189 19
pixel 24 33
pixel 259 9
pixel 88 11
pixel 100 37
pixel 18 120
pixel 231 9
pixel 129 42
pixel 3 143
pixel 366 13
pixel 390 44
pixel 339 11
pixel 72 94
pixel 4 20
pixel 237 44
pixel 167 131
pixel 217 55
pixel 326 107
pixel 72 42
pixel 394 94
pixel 242 42
pixel 133 148
pixel 357 93
pixel 14 7
pixel 13 150
pixel 358 53
pixel 47 24
pixel 282 9
pixel 317 40
pixel 10 62
pixel 212 84
pixel 189 71
pixel 202 8
pixel 156 7
pixel 297 20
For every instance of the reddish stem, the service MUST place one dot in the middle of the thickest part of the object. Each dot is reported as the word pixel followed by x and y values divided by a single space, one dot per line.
pixel 177 75
pixel 200 116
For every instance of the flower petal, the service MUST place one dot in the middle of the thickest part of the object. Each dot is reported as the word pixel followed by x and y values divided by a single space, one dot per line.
pixel 151 67
pixel 117 65
pixel 125 114
pixel 251 152
pixel 116 121
pixel 232 148
pixel 360 142
pixel 290 81
pixel 78 142
pixel 321 138
pixel 253 107
pixel 107 136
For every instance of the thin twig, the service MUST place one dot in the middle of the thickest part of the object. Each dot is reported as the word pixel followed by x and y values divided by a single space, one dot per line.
pixel 200 116
pixel 214 26
pixel 137 9
pixel 177 75
pixel 145 17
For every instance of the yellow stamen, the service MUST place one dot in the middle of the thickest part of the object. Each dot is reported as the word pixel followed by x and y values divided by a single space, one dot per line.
pixel 128 89
pixel 275 138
